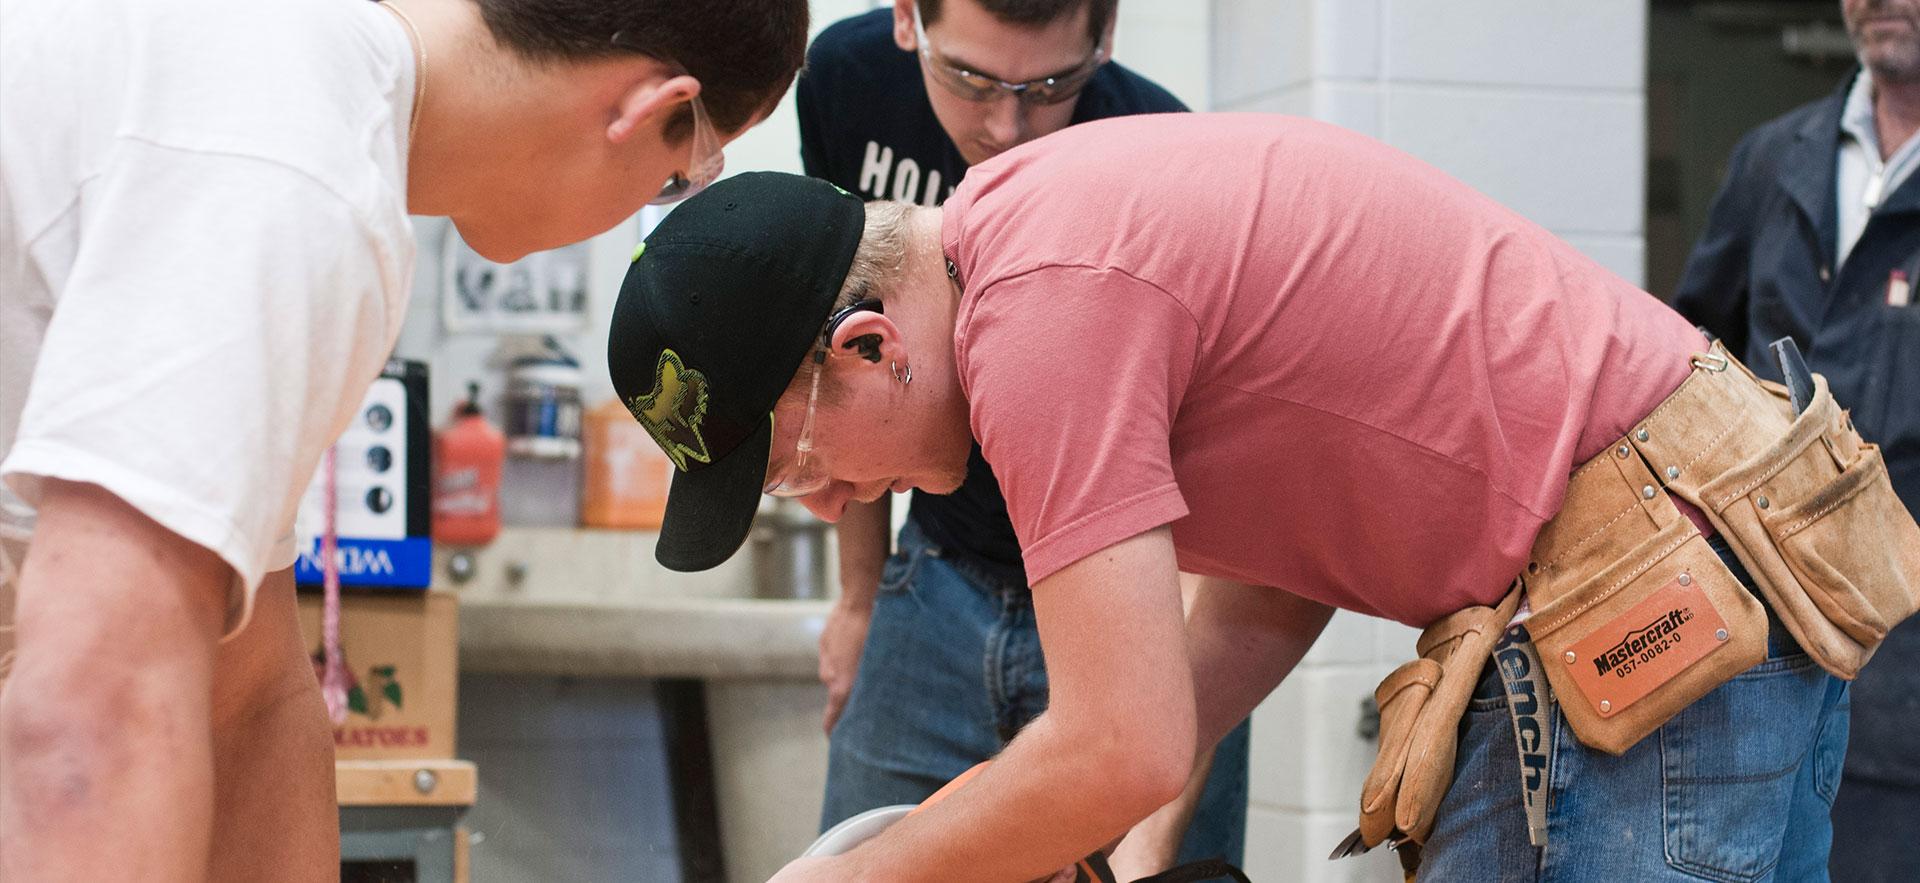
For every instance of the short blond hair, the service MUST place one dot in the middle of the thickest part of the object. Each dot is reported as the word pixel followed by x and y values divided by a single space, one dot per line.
pixel 878 265
pixel 881 257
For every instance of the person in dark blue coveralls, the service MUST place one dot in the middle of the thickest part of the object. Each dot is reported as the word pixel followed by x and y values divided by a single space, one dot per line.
pixel 1816 234
pixel 896 104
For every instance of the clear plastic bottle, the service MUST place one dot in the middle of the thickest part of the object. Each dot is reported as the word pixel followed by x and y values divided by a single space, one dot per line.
pixel 541 484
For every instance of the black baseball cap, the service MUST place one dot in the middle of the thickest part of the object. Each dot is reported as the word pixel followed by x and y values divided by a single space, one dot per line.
pixel 722 302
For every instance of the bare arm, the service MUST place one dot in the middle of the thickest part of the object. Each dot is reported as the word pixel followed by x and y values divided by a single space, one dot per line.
pixel 1114 744
pixel 864 533
pixel 105 724
pixel 1154 844
pixel 1245 640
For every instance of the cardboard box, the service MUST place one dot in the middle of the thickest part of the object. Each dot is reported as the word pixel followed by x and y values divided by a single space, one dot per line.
pixel 402 652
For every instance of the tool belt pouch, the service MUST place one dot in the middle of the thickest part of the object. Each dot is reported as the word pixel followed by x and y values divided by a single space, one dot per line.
pixel 1421 704
pixel 1808 508
pixel 1659 627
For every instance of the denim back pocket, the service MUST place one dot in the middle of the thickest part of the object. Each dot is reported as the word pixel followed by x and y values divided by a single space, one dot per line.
pixel 1830 751
pixel 1729 764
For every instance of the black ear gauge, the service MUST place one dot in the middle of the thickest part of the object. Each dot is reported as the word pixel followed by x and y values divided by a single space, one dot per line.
pixel 868 345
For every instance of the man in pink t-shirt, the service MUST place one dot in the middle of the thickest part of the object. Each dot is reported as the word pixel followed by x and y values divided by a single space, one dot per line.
pixel 1327 377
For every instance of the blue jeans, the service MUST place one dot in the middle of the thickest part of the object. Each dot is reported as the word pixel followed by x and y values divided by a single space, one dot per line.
pixel 1876 819
pixel 1736 788
pixel 951 671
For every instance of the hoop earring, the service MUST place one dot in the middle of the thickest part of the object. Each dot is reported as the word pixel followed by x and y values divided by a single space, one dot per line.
pixel 904 378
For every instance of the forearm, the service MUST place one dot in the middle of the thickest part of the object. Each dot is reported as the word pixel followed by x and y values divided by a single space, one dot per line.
pixel 1244 640
pixel 1047 801
pixel 865 535
pixel 1154 844
pixel 105 724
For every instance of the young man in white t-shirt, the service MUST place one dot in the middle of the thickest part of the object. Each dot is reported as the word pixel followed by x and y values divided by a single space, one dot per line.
pixel 204 260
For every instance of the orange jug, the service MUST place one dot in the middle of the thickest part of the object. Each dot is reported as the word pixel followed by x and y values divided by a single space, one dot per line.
pixel 467 458
pixel 627 475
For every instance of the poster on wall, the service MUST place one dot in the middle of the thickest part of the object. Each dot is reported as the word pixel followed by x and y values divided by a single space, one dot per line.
pixel 542 293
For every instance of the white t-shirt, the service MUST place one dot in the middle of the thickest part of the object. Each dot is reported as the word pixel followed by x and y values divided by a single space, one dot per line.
pixel 204 253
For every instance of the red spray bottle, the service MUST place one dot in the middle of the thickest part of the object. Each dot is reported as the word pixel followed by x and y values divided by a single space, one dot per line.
pixel 467 458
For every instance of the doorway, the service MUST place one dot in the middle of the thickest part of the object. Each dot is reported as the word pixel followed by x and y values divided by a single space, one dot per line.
pixel 1715 70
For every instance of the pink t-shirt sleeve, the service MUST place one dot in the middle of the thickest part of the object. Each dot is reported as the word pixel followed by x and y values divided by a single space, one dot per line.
pixel 1073 376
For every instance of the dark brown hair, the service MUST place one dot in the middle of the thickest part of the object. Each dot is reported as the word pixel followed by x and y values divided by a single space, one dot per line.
pixel 745 53
pixel 1036 12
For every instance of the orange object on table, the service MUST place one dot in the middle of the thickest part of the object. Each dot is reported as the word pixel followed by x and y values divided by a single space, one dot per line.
pixel 468 457
pixel 627 475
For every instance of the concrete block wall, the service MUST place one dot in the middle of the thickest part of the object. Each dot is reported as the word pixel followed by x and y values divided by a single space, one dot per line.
pixel 1541 106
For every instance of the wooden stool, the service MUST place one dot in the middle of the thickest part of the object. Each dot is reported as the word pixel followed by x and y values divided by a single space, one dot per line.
pixel 400 819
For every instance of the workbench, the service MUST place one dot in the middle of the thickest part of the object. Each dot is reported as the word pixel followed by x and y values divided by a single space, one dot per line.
pixel 400 820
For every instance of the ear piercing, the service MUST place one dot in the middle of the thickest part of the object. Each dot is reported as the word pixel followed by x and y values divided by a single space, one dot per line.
pixel 905 377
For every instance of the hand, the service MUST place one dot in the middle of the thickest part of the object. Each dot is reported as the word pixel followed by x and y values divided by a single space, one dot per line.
pixel 841 641
pixel 1137 858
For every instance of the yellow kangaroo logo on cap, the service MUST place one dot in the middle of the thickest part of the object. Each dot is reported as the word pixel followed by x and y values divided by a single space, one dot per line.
pixel 674 410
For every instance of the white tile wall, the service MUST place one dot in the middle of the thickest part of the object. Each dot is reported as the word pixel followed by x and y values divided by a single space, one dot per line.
pixel 1571 161
pixel 1296 100
pixel 1166 41
pixel 1309 751
pixel 1582 44
pixel 1287 846
pixel 1346 39
pixel 1259 48
pixel 1395 642
pixel 1348 639
pixel 1356 106
pixel 1541 106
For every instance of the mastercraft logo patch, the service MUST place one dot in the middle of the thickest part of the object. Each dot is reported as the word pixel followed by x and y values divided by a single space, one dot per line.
pixel 1636 650
pixel 1643 645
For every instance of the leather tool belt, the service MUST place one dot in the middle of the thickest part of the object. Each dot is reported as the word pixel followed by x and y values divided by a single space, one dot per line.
pixel 1634 617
